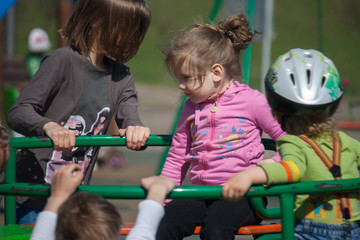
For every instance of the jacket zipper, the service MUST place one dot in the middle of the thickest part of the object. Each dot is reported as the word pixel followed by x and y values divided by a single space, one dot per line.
pixel 212 134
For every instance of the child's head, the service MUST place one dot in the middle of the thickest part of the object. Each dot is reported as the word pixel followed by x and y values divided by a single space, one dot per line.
pixel 4 147
pixel 196 49
pixel 114 28
pixel 303 88
pixel 87 216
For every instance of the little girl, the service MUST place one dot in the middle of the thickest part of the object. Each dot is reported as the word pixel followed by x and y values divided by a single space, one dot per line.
pixel 219 131
pixel 77 90
pixel 304 89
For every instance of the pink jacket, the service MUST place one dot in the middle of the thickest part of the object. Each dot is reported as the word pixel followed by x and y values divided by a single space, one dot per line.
pixel 219 141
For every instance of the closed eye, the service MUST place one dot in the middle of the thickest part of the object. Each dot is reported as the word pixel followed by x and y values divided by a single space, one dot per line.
pixel 185 79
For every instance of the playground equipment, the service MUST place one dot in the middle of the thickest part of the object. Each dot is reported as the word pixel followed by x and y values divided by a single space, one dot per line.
pixel 286 193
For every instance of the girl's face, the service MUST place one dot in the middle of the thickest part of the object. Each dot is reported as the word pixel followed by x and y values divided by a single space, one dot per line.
pixel 196 90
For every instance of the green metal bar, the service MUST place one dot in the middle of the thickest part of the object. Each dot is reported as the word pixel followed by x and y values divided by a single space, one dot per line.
pixel 287 215
pixel 44 142
pixel 189 192
pixel 215 10
pixel 251 4
pixel 286 193
pixel 275 236
pixel 9 187
pixel 10 176
pixel 101 140
pixel 267 213
pixel 106 140
pixel 95 140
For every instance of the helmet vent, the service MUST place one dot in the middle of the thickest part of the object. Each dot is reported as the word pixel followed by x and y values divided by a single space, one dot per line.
pixel 308 54
pixel 292 78
pixel 323 80
pixel 308 74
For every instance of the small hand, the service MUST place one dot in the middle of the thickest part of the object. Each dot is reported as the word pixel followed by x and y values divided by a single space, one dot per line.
pixel 158 187
pixel 136 136
pixel 63 139
pixel 236 187
pixel 64 182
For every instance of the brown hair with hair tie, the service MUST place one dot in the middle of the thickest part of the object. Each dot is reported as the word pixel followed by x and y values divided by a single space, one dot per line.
pixel 230 35
pixel 201 45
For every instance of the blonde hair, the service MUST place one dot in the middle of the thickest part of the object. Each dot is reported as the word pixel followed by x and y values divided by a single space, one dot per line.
pixel 116 27
pixel 313 123
pixel 4 146
pixel 201 45
pixel 86 216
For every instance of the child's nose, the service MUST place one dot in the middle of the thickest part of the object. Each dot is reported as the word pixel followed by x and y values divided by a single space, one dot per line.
pixel 181 86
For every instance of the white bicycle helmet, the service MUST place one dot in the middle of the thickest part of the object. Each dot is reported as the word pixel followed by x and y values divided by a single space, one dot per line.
pixel 303 79
pixel 38 40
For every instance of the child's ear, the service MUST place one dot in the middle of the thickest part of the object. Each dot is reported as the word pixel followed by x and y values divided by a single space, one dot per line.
pixel 218 72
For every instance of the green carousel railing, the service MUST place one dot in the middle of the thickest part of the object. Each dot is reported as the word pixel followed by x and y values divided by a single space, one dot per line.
pixel 285 193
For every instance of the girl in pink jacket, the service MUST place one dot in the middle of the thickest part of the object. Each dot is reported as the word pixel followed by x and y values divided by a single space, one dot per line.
pixel 219 131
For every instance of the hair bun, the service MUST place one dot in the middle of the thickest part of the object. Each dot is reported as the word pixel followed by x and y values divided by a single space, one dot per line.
pixel 237 29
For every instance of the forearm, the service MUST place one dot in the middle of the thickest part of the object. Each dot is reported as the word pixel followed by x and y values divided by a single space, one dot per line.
pixel 157 193
pixel 127 109
pixel 257 175
pixel 25 120
pixel 54 203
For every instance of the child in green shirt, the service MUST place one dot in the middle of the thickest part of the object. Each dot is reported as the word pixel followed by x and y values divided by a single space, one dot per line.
pixel 303 88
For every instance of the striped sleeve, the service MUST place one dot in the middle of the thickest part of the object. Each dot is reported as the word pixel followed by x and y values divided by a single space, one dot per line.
pixel 293 164
pixel 282 172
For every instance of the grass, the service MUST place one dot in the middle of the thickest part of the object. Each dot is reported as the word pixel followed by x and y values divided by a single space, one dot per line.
pixel 295 25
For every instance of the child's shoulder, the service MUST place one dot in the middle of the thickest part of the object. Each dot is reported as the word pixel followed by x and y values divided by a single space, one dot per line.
pixel 246 89
pixel 348 140
pixel 244 93
pixel 64 51
pixel 65 55
pixel 289 138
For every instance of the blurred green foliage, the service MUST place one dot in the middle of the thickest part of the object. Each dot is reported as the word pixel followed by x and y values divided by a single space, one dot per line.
pixel 295 25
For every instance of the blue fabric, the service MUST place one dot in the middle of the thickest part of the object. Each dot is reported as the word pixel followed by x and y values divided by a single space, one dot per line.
pixel 26 215
pixel 310 230
pixel 4 7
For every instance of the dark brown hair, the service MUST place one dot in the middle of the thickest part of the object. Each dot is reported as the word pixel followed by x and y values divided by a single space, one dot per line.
pixel 201 45
pixel 86 216
pixel 114 28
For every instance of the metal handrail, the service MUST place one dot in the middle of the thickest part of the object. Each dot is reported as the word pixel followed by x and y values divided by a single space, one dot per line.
pixel 285 192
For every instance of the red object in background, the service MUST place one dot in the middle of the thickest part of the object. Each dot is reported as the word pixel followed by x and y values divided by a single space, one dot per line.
pixel 345 82
pixel 348 125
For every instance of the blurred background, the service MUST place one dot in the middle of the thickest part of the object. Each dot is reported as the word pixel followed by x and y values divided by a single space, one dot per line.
pixel 330 26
